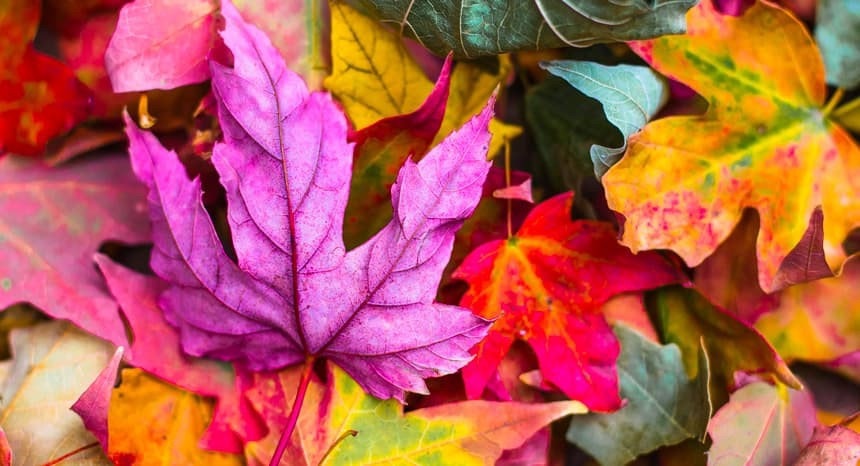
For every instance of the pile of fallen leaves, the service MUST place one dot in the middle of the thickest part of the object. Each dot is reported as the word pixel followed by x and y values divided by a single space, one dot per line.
pixel 512 232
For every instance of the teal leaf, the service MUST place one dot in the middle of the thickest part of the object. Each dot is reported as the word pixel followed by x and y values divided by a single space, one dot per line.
pixel 562 136
pixel 631 95
pixel 663 408
pixel 473 28
pixel 838 33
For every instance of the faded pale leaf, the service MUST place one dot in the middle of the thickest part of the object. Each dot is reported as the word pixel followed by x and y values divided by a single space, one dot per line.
pixel 53 364
pixel 163 44
pixel 761 425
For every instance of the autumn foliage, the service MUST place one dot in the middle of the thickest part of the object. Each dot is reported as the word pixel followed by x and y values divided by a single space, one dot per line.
pixel 347 232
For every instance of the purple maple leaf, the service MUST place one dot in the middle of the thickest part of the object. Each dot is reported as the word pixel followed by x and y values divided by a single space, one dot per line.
pixel 295 292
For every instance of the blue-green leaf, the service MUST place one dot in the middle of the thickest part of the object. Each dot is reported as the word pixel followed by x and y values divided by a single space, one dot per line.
pixel 472 28
pixel 630 95
pixel 664 407
pixel 838 32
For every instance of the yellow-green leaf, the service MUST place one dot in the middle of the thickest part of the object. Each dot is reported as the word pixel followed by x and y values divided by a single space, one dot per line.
pixel 53 364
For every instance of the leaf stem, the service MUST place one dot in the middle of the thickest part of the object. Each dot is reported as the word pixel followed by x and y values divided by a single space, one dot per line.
pixel 70 454
pixel 508 184
pixel 343 436
pixel 833 102
pixel 294 411
pixel 145 120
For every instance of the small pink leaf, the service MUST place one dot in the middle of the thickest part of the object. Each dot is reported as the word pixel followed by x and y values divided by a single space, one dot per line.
pixel 156 349
pixel 521 191
pixel 94 403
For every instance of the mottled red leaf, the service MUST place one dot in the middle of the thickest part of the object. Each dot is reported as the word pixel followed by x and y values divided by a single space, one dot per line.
pixel 546 285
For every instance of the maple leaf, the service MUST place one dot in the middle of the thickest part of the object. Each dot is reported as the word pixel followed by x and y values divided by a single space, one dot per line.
pixel 463 433
pixel 295 293
pixel 761 425
pixel 59 218
pixel 548 282
pixel 765 143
